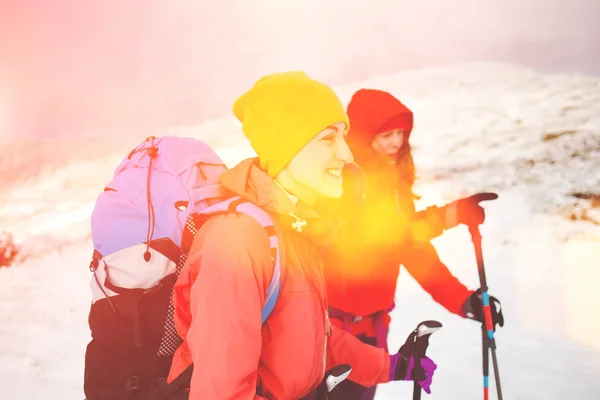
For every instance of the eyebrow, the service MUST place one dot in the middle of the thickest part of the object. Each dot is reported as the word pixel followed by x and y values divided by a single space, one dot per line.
pixel 337 130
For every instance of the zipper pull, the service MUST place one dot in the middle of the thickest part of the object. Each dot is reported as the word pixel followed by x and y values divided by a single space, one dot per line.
pixel 299 224
pixel 327 324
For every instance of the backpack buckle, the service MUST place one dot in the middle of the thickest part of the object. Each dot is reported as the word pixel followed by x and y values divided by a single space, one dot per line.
pixel 133 383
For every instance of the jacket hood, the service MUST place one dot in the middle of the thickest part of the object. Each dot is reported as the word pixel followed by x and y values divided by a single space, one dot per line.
pixel 371 112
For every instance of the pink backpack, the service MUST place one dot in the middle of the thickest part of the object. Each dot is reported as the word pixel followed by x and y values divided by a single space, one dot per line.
pixel 143 225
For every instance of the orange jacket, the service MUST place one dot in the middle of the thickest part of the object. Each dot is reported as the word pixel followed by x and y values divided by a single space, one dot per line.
pixel 220 292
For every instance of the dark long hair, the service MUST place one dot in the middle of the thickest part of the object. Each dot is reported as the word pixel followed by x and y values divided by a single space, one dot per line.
pixel 386 178
pixel 405 166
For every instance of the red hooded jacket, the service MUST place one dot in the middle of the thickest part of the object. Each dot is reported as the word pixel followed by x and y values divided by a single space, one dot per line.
pixel 382 229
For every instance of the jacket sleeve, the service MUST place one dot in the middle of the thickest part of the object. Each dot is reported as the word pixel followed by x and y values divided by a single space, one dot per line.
pixel 370 365
pixel 424 264
pixel 232 262
pixel 428 224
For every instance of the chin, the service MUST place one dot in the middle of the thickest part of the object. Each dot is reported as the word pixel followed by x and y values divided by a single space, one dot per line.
pixel 331 192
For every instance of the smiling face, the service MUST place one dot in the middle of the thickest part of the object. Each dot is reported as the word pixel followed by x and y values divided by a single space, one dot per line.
pixel 316 170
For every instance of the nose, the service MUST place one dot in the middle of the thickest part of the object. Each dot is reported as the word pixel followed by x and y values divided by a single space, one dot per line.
pixel 397 140
pixel 343 152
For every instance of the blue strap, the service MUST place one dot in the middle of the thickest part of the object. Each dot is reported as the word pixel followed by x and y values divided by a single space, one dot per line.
pixel 265 220
pixel 237 204
pixel 272 294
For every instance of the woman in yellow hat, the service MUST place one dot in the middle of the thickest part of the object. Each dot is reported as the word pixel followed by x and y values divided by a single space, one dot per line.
pixel 297 127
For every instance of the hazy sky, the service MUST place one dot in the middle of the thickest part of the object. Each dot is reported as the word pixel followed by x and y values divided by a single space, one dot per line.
pixel 69 65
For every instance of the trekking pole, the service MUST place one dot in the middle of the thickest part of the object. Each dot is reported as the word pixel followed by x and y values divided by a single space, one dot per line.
pixel 416 345
pixel 487 327
pixel 419 348
pixel 332 378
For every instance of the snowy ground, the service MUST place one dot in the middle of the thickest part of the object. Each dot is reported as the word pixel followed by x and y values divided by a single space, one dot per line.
pixel 532 138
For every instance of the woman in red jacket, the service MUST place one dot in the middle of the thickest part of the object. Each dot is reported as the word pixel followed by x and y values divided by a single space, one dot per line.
pixel 383 230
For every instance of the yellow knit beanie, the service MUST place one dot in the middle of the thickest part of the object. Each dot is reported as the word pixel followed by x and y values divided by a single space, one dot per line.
pixel 282 112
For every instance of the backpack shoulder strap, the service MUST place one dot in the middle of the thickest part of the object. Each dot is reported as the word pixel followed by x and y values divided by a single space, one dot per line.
pixel 277 249
pixel 239 205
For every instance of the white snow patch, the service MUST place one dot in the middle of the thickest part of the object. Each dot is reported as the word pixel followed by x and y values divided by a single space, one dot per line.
pixel 531 137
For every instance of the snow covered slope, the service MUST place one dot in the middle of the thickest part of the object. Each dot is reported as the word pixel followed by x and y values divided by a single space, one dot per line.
pixel 531 137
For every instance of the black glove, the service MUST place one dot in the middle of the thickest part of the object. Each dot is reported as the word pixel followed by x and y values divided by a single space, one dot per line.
pixel 467 211
pixel 473 309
